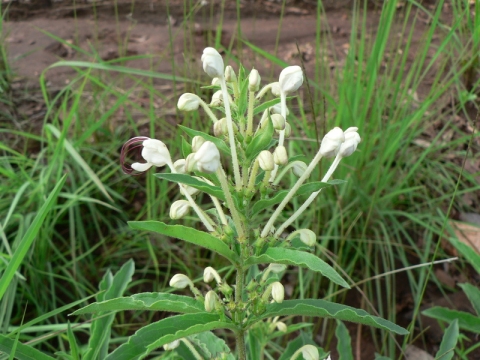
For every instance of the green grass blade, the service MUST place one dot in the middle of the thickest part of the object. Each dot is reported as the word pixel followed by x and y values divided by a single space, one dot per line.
pixel 28 238
pixel 449 341
pixel 22 352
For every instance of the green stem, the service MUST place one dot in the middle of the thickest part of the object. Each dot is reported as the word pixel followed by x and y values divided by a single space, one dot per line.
pixel 251 102
pixel 240 333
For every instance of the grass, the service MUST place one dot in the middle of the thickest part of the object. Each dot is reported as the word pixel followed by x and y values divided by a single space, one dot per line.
pixel 397 192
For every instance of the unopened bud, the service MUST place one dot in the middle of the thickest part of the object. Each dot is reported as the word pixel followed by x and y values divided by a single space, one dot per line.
pixel 331 142
pixel 209 274
pixel 278 292
pixel 352 139
pixel 210 301
pixel 208 157
pixel 190 163
pixel 291 78
pixel 265 160
pixel 280 155
pixel 180 281
pixel 179 166
pixel 299 168
pixel 276 89
pixel 189 189
pixel 217 99
pixel 310 352
pixel 188 102
pixel 306 236
pixel 277 268
pixel 277 109
pixel 171 346
pixel 212 62
pixel 230 75
pixel 179 209
pixel 254 80
pixel 288 130
pixel 278 121
pixel 281 326
pixel 216 81
pixel 197 141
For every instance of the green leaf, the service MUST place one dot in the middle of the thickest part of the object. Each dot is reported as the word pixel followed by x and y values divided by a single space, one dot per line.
pixel 188 234
pixel 264 106
pixel 473 294
pixel 186 148
pixel 27 239
pixel 101 327
pixel 191 181
pixel 298 258
pixel 326 309
pixel 344 345
pixel 297 343
pixel 302 190
pixel 22 352
pixel 449 341
pixel 218 142
pixel 146 301
pixel 467 252
pixel 210 345
pixel 466 320
pixel 73 343
pixel 260 141
pixel 162 332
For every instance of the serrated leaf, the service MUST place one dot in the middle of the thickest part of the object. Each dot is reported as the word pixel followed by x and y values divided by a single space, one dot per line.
pixel 187 234
pixel 22 352
pixel 146 301
pixel 473 294
pixel 260 141
pixel 344 345
pixel 162 332
pixel 298 258
pixel 191 181
pixel 449 341
pixel 326 309
pixel 218 142
pixel 210 345
pixel 466 320
pixel 302 190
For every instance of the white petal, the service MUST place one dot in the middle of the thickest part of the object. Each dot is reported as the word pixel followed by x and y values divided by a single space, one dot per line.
pixel 141 167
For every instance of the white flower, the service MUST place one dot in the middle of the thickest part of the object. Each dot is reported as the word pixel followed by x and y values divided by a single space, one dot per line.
pixel 230 74
pixel 209 274
pixel 265 160
pixel 207 158
pixel 212 63
pixel 220 127
pixel 179 166
pixel 188 102
pixel 210 301
pixel 180 281
pixel 217 99
pixel 331 142
pixel 197 142
pixel 310 352
pixel 280 156
pixel 155 153
pixel 276 89
pixel 352 139
pixel 277 109
pixel 172 345
pixel 254 80
pixel 190 163
pixel 278 121
pixel 278 292
pixel 277 268
pixel 192 191
pixel 179 209
pixel 299 168
pixel 216 81
pixel 281 326
pixel 291 78
pixel 288 130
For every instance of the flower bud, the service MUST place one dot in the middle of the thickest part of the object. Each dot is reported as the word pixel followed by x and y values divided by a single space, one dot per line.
pixel 276 89
pixel 278 121
pixel 190 163
pixel 216 81
pixel 217 99
pixel 180 281
pixel 179 209
pixel 277 109
pixel 331 142
pixel 352 139
pixel 155 153
pixel 254 80
pixel 189 189
pixel 179 166
pixel 208 158
pixel 280 155
pixel 309 352
pixel 220 127
pixel 288 130
pixel 212 63
pixel 209 274
pixel 277 268
pixel 291 78
pixel 278 292
pixel 307 236
pixel 265 160
pixel 210 301
pixel 299 168
pixel 188 102
pixel 230 76
pixel 281 326
pixel 172 345
pixel 197 142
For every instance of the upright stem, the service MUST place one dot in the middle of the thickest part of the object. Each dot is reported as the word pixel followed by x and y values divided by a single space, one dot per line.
pixel 240 333
pixel 251 102
pixel 231 137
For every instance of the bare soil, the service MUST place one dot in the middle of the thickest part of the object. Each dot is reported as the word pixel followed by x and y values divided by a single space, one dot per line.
pixel 40 33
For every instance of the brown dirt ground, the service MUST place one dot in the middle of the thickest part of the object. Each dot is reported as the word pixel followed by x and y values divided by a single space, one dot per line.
pixel 145 30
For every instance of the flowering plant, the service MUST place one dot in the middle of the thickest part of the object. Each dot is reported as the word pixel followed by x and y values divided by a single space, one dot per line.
pixel 251 304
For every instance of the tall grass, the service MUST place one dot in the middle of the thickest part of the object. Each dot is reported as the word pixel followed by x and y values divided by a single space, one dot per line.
pixel 396 193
